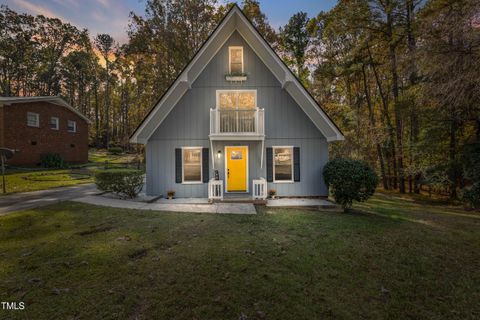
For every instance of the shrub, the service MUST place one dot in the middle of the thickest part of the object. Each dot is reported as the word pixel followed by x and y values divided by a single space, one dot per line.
pixel 472 196
pixel 115 150
pixel 52 160
pixel 124 182
pixel 350 180
pixel 272 192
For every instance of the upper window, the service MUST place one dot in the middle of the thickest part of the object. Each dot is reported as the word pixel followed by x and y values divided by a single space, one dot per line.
pixel 71 126
pixel 192 164
pixel 237 99
pixel 33 119
pixel 235 58
pixel 54 123
pixel 283 164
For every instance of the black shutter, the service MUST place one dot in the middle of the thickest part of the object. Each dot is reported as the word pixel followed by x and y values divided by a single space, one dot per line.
pixel 205 173
pixel 296 164
pixel 269 165
pixel 178 165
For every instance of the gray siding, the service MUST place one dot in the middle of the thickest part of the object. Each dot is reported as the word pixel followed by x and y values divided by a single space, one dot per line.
pixel 188 125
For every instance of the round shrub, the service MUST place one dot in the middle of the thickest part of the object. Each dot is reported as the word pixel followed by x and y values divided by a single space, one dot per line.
pixel 350 180
pixel 115 150
pixel 472 196
pixel 52 160
pixel 124 182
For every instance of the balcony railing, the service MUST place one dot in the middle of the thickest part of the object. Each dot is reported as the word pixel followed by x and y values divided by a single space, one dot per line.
pixel 241 122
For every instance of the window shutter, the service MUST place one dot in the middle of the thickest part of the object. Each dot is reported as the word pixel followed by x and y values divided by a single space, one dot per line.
pixel 269 164
pixel 296 164
pixel 205 173
pixel 178 165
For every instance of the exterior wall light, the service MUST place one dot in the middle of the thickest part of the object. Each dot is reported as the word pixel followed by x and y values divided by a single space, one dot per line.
pixel 219 154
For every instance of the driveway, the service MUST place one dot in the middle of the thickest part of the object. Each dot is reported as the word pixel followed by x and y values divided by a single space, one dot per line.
pixel 29 200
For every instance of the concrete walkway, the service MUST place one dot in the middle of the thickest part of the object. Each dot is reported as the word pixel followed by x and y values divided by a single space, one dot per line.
pixel 30 200
pixel 224 208
pixel 300 202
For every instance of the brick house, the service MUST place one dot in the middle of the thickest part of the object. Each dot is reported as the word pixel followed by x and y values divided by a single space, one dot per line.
pixel 34 126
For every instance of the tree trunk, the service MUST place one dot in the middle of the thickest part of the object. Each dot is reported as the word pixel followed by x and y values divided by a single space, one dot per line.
pixel 395 91
pixel 373 126
pixel 97 126
pixel 453 177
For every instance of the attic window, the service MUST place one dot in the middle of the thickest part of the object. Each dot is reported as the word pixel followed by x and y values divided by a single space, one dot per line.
pixel 235 59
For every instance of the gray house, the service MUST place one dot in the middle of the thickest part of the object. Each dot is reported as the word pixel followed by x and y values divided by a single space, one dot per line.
pixel 236 121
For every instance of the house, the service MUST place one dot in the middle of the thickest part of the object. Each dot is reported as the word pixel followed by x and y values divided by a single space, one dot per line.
pixel 34 126
pixel 238 114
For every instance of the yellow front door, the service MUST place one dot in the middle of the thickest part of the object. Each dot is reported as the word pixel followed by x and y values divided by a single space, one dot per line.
pixel 237 169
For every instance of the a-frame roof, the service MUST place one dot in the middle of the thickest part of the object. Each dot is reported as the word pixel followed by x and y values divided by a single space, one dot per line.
pixel 233 21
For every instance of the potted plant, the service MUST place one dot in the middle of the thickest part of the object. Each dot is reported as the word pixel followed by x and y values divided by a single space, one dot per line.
pixel 170 194
pixel 272 193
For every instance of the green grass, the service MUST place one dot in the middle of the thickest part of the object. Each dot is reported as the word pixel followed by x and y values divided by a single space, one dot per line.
pixel 32 179
pixel 397 258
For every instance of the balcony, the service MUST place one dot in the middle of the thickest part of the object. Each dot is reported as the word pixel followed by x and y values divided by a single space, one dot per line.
pixel 237 124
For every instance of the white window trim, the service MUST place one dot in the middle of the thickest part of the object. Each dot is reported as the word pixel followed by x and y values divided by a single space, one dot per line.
pixel 218 92
pixel 273 164
pixel 230 57
pixel 37 117
pixel 57 122
pixel 201 166
pixel 74 126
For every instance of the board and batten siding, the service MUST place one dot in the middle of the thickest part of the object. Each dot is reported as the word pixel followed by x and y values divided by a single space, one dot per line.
pixel 188 124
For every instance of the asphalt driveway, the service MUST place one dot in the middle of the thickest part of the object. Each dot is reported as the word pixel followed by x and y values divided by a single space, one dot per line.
pixel 29 200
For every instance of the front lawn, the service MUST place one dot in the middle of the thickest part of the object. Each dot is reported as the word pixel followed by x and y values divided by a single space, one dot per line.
pixel 399 257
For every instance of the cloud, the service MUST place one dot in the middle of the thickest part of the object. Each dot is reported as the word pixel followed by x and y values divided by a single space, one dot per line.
pixel 37 9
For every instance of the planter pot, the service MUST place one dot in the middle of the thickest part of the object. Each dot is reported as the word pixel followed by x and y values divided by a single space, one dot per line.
pixel 236 78
pixel 170 198
pixel 273 197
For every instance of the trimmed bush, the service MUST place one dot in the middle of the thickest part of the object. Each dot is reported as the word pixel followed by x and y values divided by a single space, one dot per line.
pixel 350 180
pixel 124 182
pixel 52 160
pixel 472 196
pixel 115 150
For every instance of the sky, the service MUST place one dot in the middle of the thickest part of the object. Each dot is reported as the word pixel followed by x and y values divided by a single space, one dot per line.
pixel 112 16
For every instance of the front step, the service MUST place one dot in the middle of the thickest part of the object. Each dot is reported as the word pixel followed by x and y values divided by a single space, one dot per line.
pixel 241 200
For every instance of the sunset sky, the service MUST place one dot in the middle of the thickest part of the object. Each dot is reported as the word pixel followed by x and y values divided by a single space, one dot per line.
pixel 111 16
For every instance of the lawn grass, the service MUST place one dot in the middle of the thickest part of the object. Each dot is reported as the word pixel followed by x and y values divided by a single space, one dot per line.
pixel 36 178
pixel 391 258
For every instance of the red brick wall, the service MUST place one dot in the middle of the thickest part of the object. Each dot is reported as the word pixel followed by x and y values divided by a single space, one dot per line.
pixel 17 135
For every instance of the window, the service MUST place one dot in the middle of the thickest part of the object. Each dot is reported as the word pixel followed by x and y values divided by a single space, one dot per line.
pixel 236 99
pixel 283 164
pixel 71 126
pixel 192 165
pixel 54 123
pixel 33 119
pixel 235 60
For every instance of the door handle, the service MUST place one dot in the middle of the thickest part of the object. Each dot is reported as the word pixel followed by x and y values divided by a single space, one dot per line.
pixel 228 173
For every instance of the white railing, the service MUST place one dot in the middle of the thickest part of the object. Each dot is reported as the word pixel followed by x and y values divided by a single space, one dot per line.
pixel 260 189
pixel 237 121
pixel 215 189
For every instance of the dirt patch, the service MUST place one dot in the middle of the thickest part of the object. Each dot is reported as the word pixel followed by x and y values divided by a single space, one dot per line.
pixel 95 230
pixel 138 254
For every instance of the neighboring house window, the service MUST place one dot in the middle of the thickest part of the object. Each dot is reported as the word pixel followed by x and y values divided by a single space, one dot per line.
pixel 192 164
pixel 283 164
pixel 54 123
pixel 72 126
pixel 235 58
pixel 237 99
pixel 33 119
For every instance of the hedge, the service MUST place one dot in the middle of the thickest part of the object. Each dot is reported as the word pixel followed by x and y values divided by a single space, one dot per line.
pixel 124 182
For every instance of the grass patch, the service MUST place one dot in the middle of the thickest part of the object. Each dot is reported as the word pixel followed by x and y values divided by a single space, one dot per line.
pixel 394 257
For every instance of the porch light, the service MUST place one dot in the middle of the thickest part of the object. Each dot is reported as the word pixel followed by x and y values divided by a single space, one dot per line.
pixel 219 154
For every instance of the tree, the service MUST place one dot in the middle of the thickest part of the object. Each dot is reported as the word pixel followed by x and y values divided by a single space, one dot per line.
pixel 294 42
pixel 105 44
